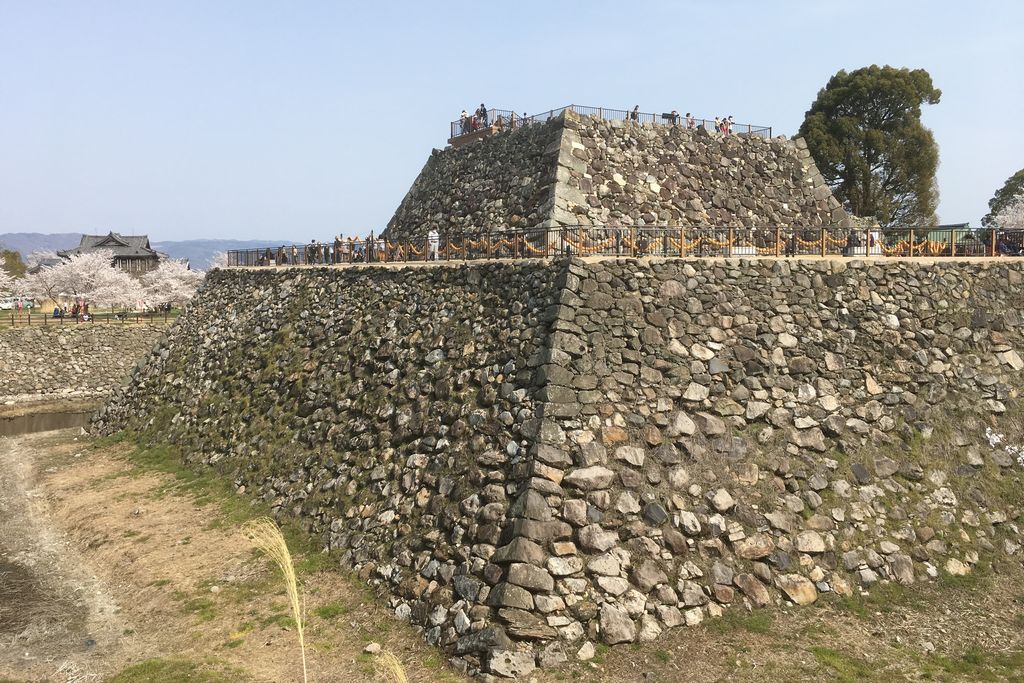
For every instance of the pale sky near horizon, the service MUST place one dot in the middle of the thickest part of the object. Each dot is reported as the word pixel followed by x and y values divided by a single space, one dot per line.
pixel 273 120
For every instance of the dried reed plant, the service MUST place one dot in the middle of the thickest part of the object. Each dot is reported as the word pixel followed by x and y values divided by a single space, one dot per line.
pixel 266 536
pixel 388 666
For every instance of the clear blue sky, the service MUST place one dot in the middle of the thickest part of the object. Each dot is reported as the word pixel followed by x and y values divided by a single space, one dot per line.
pixel 301 119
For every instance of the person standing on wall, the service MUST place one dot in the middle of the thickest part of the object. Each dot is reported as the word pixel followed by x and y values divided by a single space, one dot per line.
pixel 433 242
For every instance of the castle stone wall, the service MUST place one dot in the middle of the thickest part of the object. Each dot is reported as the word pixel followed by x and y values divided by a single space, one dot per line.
pixel 86 360
pixel 581 170
pixel 500 182
pixel 529 457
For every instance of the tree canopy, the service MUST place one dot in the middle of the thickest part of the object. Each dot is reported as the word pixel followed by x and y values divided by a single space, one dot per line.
pixel 1010 193
pixel 865 133
pixel 11 262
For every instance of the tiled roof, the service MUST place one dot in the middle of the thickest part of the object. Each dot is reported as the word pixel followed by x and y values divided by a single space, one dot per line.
pixel 119 245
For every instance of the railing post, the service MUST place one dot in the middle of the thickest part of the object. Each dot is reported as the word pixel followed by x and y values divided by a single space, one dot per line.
pixel 547 246
pixel 993 248
pixel 867 241
pixel 822 240
pixel 730 233
pixel 952 242
pixel 911 243
pixel 682 241
pixel 778 240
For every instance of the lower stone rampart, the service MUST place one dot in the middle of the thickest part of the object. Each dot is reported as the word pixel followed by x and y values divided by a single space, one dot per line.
pixel 534 456
pixel 85 360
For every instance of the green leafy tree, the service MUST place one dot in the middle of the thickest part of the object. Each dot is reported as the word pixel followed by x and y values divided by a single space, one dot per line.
pixel 865 133
pixel 10 261
pixel 1011 190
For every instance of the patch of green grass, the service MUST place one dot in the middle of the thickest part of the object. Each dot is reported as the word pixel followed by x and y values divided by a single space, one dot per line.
pixel 974 664
pixel 208 487
pixel 662 656
pixel 882 597
pixel 331 610
pixel 843 667
pixel 758 621
pixel 176 671
pixel 202 607
pixel 161 582
pixel 280 620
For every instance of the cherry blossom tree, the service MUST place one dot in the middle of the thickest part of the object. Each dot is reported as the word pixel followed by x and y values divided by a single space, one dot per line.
pixel 46 284
pixel 7 283
pixel 218 260
pixel 86 279
pixel 40 256
pixel 172 282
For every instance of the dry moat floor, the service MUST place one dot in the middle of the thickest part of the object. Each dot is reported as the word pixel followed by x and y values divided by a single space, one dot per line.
pixel 117 565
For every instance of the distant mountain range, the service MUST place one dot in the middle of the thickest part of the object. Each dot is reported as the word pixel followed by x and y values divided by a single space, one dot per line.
pixel 198 252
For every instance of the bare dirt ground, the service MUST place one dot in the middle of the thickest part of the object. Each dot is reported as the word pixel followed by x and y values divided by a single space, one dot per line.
pixel 111 569
pixel 104 565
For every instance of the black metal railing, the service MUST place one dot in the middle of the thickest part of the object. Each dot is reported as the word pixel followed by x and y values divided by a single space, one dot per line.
pixel 504 119
pixel 494 119
pixel 646 241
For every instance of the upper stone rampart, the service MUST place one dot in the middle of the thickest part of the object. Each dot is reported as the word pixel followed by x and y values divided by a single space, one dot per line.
pixel 583 170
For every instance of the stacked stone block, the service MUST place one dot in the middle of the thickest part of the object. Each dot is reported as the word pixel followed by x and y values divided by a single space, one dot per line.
pixel 582 170
pixel 532 458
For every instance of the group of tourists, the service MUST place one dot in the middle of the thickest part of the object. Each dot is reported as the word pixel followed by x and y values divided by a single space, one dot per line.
pixel 483 118
pixel 723 124
pixel 78 311
pixel 470 123
pixel 341 250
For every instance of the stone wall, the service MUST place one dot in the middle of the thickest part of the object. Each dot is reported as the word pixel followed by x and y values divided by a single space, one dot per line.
pixel 620 172
pixel 70 361
pixel 502 181
pixel 581 170
pixel 535 457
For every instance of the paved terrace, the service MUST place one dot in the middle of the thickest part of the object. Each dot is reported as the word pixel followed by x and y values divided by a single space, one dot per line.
pixel 604 242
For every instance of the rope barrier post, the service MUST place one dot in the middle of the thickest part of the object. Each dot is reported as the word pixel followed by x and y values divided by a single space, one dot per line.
pixel 867 241
pixel 778 240
pixel 730 235
pixel 993 248
pixel 952 242
pixel 547 246
pixel 823 246
pixel 911 242
pixel 632 240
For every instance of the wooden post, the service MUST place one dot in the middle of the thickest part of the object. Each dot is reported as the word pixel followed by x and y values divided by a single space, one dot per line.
pixel 867 241
pixel 911 242
pixel 730 235
pixel 778 240
pixel 993 248
pixel 632 240
pixel 952 242
pixel 682 241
